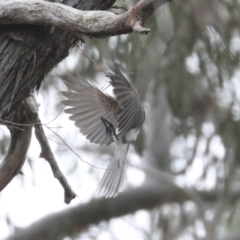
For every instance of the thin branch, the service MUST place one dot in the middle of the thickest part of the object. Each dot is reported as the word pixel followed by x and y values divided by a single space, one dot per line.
pixel 15 125
pixel 48 155
pixel 90 23
pixel 75 153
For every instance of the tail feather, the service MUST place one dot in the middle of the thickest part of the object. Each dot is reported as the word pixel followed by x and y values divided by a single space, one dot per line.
pixel 114 177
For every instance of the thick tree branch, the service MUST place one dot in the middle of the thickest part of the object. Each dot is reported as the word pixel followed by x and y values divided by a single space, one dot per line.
pixel 73 220
pixel 48 155
pixel 90 23
pixel 20 140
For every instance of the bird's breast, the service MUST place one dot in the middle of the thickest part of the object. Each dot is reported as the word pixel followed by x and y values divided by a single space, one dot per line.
pixel 131 135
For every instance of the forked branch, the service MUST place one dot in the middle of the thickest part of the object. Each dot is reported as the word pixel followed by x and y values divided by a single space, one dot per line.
pixel 20 124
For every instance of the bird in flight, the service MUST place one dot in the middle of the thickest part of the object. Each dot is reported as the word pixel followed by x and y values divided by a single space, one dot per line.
pixel 104 119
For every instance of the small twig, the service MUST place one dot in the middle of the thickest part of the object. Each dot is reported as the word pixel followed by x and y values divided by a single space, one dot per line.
pixel 48 155
pixel 15 124
pixel 138 28
pixel 91 60
pixel 73 150
pixel 55 116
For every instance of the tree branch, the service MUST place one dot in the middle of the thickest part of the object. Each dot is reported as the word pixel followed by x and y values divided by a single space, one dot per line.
pixel 20 125
pixel 48 155
pixel 90 23
pixel 20 140
pixel 73 220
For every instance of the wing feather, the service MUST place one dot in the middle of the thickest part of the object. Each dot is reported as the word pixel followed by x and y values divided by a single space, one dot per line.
pixel 75 110
pixel 87 104
pixel 131 110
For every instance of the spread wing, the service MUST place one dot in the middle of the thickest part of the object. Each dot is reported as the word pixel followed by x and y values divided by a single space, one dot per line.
pixel 87 105
pixel 131 113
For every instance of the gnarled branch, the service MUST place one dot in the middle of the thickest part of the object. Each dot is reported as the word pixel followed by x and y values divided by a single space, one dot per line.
pixel 90 23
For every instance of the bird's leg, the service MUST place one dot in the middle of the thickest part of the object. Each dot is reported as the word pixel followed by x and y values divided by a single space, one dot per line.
pixel 109 128
pixel 107 125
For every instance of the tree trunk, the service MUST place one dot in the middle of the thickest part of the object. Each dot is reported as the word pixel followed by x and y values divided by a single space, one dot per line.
pixel 28 53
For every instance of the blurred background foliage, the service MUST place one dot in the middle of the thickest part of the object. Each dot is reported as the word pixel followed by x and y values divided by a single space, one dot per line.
pixel 187 74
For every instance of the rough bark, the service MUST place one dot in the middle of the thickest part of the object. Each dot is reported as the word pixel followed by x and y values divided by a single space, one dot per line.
pixel 90 23
pixel 28 53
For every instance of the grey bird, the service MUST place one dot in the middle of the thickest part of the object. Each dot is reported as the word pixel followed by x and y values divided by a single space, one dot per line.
pixel 104 119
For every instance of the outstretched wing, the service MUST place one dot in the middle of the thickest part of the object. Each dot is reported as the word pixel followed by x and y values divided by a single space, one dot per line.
pixel 131 111
pixel 87 105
